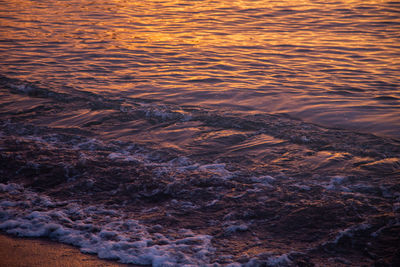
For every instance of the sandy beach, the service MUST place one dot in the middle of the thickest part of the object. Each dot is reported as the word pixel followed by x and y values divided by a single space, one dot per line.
pixel 19 252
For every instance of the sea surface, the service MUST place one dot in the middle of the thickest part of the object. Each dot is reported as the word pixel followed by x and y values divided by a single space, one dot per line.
pixel 203 133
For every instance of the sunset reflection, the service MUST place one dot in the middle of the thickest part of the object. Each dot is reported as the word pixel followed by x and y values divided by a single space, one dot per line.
pixel 203 133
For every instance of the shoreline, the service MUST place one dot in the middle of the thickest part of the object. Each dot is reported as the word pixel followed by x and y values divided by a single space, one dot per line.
pixel 22 251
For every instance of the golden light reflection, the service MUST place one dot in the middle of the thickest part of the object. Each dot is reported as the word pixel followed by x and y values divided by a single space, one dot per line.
pixel 273 48
pixel 200 23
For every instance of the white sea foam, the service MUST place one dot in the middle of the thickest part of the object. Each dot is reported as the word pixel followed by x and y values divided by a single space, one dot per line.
pixel 271 261
pixel 165 113
pixel 125 156
pixel 348 232
pixel 24 88
pixel 111 234
pixel 185 205
pixel 336 184
pixel 266 179
pixel 95 229
pixel 217 169
pixel 10 188
pixel 281 261
pixel 231 229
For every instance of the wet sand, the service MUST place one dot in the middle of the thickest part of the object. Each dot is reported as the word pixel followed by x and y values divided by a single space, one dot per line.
pixel 21 252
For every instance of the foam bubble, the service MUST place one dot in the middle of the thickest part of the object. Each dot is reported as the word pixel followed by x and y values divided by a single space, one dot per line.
pixel 98 230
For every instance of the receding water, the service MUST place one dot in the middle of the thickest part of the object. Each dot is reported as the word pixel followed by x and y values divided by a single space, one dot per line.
pixel 203 133
pixel 334 63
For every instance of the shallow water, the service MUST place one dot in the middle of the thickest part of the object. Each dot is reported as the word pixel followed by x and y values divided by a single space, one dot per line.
pixel 203 133
pixel 335 63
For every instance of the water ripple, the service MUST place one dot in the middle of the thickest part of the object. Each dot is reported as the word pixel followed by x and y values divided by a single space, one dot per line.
pixel 179 50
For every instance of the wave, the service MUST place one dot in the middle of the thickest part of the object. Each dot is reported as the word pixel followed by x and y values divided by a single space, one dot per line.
pixel 165 185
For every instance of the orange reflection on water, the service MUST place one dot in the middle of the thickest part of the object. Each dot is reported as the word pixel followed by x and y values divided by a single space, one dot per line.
pixel 273 56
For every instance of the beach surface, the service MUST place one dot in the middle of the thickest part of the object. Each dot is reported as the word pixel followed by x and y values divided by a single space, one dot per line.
pixel 19 252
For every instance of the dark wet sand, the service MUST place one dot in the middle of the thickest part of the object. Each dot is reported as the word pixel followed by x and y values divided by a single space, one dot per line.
pixel 27 252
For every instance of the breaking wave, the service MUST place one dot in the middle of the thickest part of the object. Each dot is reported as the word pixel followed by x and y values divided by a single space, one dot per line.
pixel 159 184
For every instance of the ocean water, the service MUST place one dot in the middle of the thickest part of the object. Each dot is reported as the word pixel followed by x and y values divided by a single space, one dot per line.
pixel 203 133
pixel 333 63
